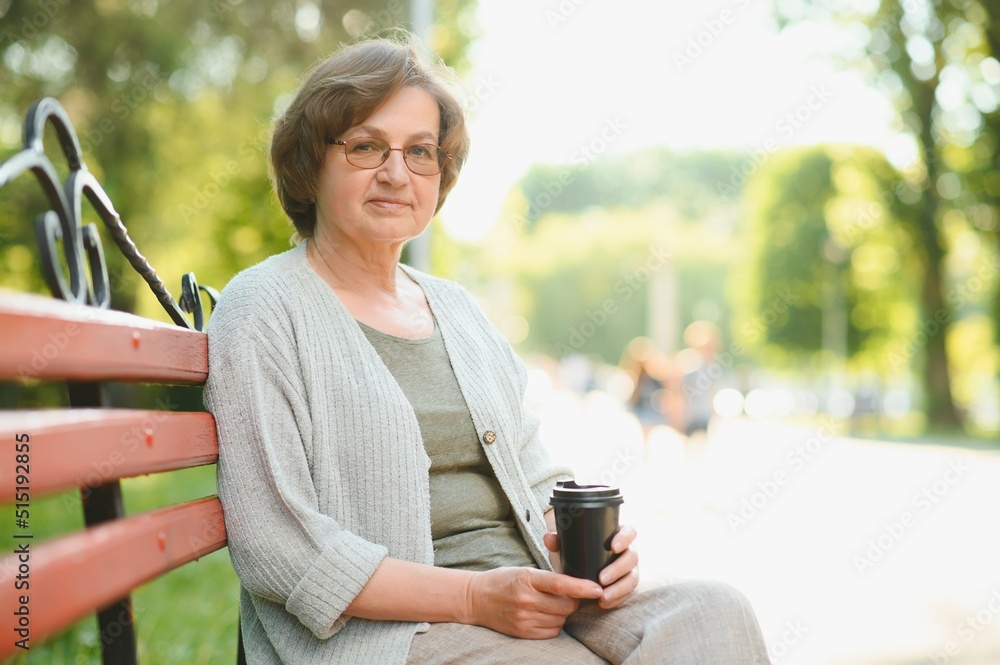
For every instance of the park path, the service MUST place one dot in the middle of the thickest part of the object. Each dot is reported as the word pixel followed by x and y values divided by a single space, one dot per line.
pixel 853 552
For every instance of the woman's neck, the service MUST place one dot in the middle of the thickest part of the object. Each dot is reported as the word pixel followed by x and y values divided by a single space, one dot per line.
pixel 361 272
pixel 374 289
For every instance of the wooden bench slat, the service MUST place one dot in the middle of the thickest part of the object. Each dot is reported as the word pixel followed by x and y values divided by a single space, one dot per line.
pixel 75 575
pixel 43 338
pixel 87 447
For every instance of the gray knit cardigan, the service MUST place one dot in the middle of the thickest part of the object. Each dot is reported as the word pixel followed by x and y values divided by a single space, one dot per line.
pixel 322 470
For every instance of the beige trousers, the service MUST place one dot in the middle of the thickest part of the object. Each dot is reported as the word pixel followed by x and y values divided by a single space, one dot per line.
pixel 689 623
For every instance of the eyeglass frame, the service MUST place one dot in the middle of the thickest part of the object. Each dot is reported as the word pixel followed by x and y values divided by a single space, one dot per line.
pixel 447 155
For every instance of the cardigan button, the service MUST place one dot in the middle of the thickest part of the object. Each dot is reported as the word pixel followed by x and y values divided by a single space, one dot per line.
pixel 489 437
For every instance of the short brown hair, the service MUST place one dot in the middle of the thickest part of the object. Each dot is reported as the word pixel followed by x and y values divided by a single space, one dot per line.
pixel 342 91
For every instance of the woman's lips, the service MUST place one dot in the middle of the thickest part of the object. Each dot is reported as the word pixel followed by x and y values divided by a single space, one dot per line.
pixel 388 203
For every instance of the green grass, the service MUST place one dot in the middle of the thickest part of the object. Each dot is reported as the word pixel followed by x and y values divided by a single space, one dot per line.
pixel 187 616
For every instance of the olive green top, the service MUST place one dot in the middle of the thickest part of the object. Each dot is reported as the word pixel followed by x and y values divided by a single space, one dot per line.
pixel 471 521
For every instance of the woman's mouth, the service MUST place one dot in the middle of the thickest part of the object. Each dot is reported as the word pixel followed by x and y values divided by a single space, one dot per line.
pixel 388 203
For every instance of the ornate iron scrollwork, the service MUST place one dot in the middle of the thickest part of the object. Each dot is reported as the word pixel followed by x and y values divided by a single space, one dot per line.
pixel 191 298
pixel 81 245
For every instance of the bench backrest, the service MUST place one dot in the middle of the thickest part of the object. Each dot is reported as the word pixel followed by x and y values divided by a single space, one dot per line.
pixel 46 586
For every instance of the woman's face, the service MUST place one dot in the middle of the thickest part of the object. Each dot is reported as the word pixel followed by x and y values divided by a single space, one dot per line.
pixel 389 204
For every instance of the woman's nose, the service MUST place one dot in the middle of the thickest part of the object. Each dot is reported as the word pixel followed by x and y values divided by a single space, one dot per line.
pixel 394 171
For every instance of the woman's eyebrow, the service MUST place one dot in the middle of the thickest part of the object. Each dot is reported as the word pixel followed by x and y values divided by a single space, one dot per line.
pixel 369 130
pixel 425 135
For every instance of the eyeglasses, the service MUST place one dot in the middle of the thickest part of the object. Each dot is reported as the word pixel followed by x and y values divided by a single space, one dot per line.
pixel 367 152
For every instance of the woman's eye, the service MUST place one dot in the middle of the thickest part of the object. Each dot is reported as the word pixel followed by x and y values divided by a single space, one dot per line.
pixel 365 147
pixel 421 151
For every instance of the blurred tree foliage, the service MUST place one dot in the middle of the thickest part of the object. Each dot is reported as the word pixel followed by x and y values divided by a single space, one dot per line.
pixel 172 103
pixel 578 248
pixel 937 62
pixel 689 181
pixel 829 265
pixel 808 258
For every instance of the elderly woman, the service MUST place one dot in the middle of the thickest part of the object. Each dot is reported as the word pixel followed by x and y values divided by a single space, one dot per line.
pixel 385 493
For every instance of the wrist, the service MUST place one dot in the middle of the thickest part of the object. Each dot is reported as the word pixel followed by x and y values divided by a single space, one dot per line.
pixel 465 608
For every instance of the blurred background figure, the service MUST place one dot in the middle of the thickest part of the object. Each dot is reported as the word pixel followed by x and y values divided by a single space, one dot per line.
pixel 693 403
pixel 650 371
pixel 576 373
pixel 700 378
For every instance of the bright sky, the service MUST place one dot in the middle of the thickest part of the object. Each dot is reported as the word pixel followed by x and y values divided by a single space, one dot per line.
pixel 557 77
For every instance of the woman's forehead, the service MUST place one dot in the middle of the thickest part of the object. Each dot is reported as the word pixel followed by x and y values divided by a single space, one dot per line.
pixel 409 114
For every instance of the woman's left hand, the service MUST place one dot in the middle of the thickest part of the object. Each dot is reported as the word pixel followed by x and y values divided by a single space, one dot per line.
pixel 620 578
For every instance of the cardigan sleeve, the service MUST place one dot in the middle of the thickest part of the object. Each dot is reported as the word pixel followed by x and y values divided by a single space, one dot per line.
pixel 282 547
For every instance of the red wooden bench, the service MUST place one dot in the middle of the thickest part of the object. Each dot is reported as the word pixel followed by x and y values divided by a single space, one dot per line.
pixel 73 338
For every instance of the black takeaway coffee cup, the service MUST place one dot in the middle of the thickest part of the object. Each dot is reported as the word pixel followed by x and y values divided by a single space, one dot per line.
pixel 586 521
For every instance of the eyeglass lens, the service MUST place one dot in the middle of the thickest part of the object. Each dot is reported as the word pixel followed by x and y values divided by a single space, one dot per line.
pixel 369 153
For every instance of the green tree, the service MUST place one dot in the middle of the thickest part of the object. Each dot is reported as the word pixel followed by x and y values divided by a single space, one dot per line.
pixel 828 265
pixel 689 181
pixel 582 244
pixel 171 101
pixel 936 62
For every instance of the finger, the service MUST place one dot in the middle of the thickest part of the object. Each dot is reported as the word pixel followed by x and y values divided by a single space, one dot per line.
pixel 551 541
pixel 616 594
pixel 547 628
pixel 564 585
pixel 556 607
pixel 620 567
pixel 623 539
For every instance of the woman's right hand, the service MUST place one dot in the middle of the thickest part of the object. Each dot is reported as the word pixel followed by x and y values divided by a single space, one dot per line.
pixel 525 602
